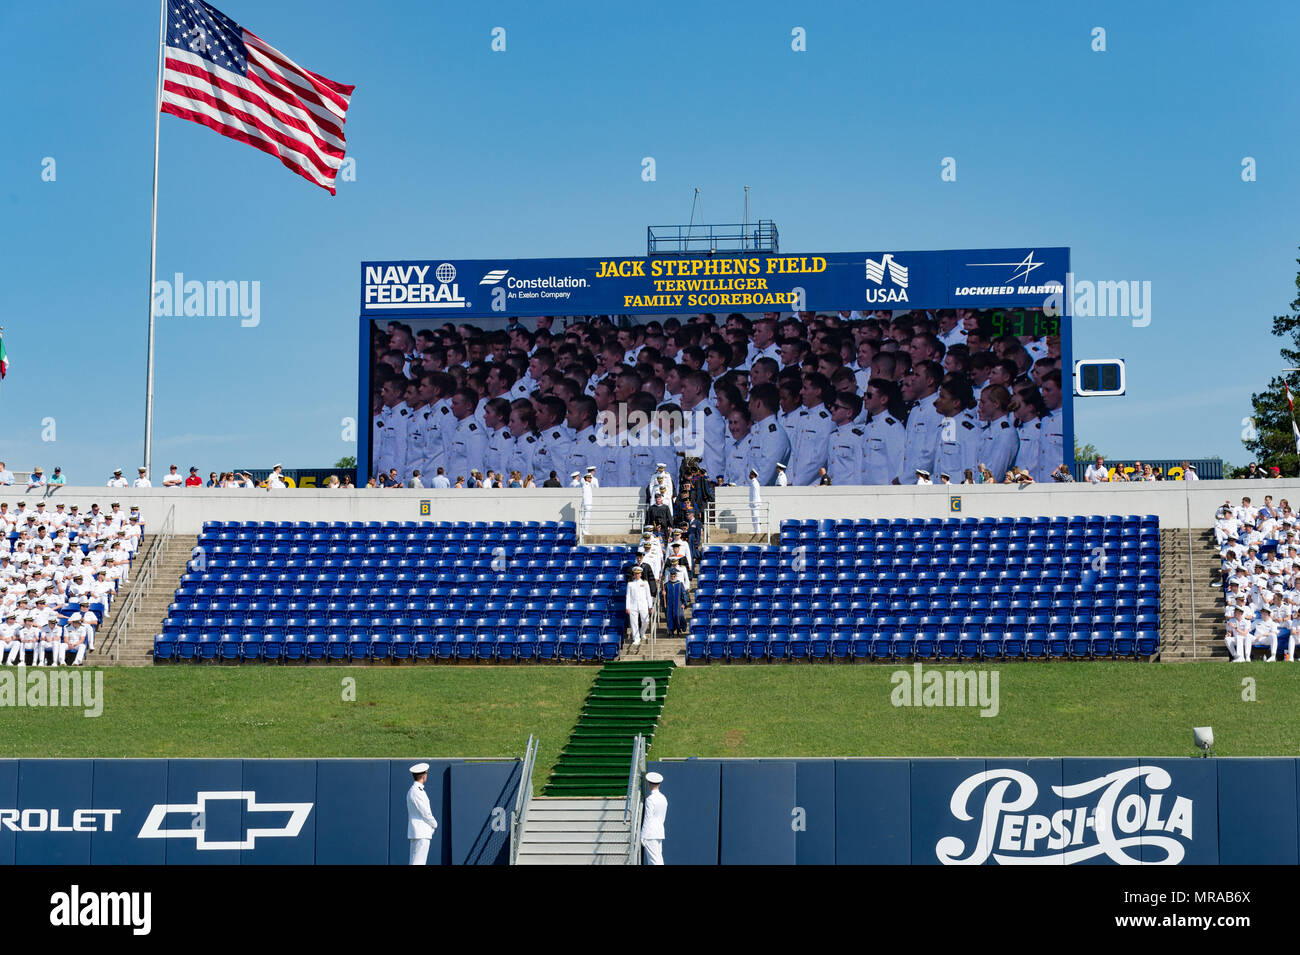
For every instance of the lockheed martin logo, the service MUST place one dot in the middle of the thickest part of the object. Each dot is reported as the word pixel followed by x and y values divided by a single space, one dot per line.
pixel 1022 268
pixel 298 813
pixel 876 272
pixel 1110 824
pixel 494 277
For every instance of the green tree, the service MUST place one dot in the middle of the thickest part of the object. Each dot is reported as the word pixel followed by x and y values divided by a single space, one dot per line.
pixel 1267 434
pixel 1086 453
pixel 349 462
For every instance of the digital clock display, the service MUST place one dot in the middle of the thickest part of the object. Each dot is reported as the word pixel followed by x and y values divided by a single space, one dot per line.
pixel 1022 321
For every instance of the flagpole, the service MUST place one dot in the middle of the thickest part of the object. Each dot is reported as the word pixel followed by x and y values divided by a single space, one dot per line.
pixel 153 246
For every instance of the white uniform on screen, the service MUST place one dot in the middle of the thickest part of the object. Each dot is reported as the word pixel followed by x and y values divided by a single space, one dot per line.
pixel 738 459
pixel 884 449
pixel 1053 444
pixel 769 446
pixel 848 455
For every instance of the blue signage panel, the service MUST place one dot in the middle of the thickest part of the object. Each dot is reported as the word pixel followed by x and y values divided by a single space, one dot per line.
pixel 882 833
pixel 482 796
pixel 1079 777
pixel 282 800
pixel 53 797
pixel 1175 812
pixel 814 821
pixel 457 289
pixel 693 789
pixel 1265 833
pixel 348 829
pixel 758 799
pixel 132 786
pixel 8 801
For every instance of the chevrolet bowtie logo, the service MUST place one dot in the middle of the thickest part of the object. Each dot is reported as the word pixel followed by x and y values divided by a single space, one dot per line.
pixel 152 828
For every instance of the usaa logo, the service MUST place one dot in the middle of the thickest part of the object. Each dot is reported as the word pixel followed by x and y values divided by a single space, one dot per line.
pixel 876 271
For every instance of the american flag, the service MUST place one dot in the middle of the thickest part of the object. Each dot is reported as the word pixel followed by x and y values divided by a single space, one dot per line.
pixel 219 74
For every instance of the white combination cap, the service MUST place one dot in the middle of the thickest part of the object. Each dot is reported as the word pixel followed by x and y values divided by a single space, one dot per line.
pixel 653 778
pixel 419 768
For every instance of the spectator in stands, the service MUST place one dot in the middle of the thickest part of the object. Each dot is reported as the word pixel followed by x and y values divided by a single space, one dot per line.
pixel 6 476
pixel 1062 474
pixel 347 483
pixel 193 480
pixel 143 479
pixel 968 477
pixel 440 479
pixel 275 481
pixel 552 481
pixel 1096 472
pixel 213 480
pixel 414 480
pixel 1189 472
pixel 57 479
pixel 173 478
pixel 37 479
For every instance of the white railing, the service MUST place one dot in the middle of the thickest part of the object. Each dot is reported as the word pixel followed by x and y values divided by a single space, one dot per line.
pixel 612 519
pixel 634 805
pixel 524 799
pixel 143 583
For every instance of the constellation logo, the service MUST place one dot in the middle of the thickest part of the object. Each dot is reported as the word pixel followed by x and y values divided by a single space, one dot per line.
pixel 876 272
pixel 493 277
pixel 298 813
pixel 1015 282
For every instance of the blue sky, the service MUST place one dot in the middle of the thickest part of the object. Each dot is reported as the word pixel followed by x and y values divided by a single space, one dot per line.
pixel 1131 157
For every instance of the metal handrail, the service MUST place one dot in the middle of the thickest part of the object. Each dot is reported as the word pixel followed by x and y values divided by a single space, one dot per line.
pixel 633 806
pixel 610 519
pixel 523 799
pixel 143 582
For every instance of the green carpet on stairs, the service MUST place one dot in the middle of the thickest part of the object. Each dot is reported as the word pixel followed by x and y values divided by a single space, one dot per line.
pixel 621 704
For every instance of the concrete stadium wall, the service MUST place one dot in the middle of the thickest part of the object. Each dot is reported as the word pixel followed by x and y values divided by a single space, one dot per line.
pixel 975 811
pixel 350 811
pixel 1173 502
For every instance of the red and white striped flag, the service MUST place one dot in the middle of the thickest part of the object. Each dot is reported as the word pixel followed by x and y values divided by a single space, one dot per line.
pixel 1294 427
pixel 220 75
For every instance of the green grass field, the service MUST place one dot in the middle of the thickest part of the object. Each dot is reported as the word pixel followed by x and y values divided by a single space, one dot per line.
pixel 286 712
pixel 1060 709
pixel 1083 709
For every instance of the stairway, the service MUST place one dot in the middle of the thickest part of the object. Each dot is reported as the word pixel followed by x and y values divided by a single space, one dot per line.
pixel 568 831
pixel 137 640
pixel 1177 623
pixel 625 700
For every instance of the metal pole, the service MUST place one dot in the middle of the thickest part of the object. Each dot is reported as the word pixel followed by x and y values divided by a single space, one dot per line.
pixel 1191 566
pixel 153 247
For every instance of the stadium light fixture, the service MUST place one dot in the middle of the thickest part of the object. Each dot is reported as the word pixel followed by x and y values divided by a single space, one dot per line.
pixel 1203 737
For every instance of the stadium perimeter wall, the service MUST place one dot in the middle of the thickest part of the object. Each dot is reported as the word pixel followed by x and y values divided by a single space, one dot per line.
pixel 249 811
pixel 975 811
pixel 1175 503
